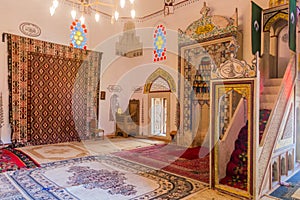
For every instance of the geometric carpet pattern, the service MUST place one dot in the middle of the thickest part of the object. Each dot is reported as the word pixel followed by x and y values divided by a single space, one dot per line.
pixel 50 110
pixel 52 90
pixel 55 152
pixel 99 177
pixel 70 150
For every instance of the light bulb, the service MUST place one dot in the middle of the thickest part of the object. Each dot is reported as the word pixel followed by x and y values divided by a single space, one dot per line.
pixel 82 19
pixel 55 3
pixel 116 15
pixel 73 14
pixel 112 20
pixel 52 11
pixel 122 3
pixel 97 17
pixel 132 12
pixel 131 1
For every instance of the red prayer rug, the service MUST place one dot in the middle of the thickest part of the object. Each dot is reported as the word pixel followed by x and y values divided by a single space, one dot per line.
pixel 188 162
pixel 12 159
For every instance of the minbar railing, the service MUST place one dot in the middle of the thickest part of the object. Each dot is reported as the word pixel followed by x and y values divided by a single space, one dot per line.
pixel 271 132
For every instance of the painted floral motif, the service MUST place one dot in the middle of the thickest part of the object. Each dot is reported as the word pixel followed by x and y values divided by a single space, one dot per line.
pixel 208 27
pixel 78 35
pixel 113 181
pixel 160 44
pixel 234 68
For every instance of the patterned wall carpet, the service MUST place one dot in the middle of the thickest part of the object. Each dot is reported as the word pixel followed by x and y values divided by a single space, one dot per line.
pixel 51 83
pixel 52 91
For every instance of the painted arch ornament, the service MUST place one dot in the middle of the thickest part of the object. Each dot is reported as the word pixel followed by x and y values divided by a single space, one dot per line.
pixel 160 39
pixel 78 35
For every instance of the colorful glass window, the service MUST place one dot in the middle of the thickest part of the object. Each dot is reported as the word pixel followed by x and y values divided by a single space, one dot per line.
pixel 160 50
pixel 78 35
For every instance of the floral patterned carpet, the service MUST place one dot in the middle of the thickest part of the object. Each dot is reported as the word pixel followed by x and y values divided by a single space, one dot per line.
pixel 184 161
pixel 12 159
pixel 95 177
pixel 70 150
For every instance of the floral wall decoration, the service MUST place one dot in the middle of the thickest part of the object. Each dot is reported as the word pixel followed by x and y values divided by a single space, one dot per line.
pixel 78 35
pixel 160 39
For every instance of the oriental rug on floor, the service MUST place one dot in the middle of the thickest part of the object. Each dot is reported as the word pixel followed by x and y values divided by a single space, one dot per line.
pixel 12 159
pixel 289 190
pixel 97 177
pixel 184 161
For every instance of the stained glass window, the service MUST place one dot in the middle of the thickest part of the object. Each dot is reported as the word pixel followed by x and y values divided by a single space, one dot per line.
pixel 160 50
pixel 78 35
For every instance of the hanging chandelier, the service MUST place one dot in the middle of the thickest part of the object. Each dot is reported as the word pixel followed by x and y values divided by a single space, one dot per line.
pixel 83 7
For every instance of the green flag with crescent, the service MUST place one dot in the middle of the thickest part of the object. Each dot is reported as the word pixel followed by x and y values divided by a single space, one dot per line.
pixel 256 28
pixel 292 24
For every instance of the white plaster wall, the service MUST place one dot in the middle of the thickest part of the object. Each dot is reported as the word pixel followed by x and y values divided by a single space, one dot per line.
pixel 129 74
pixel 103 36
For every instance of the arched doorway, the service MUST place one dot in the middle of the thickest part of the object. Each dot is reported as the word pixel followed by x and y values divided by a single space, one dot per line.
pixel 159 86
pixel 276 50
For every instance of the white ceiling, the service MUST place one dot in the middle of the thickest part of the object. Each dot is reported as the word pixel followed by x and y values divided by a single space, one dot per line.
pixel 143 7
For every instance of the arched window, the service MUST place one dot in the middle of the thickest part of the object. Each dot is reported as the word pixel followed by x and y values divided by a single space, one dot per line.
pixel 160 39
pixel 160 85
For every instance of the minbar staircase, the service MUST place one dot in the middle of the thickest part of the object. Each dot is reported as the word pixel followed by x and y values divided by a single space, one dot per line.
pixel 269 93
pixel 236 170
pixel 267 100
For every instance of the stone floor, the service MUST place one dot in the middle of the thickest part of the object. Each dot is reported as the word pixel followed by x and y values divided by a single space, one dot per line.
pixel 208 194
pixel 269 198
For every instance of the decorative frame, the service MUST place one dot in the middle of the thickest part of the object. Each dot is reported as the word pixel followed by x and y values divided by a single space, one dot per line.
pixel 30 29
pixel 213 35
pixel 219 88
pixel 156 74
pixel 271 15
pixel 208 28
pixel 102 95
pixel 114 88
